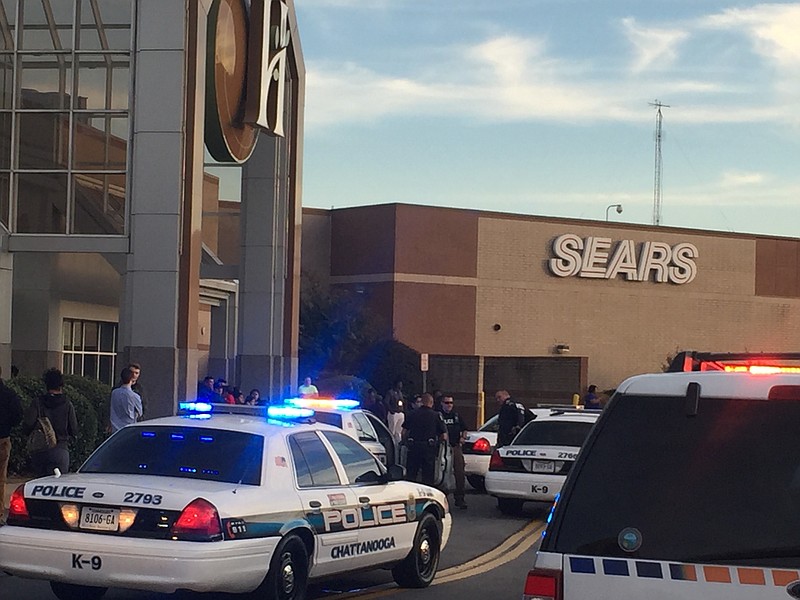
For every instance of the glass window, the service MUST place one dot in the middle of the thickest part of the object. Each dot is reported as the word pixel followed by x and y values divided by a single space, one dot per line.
pixel 51 30
pixel 8 21
pixel 5 199
pixel 100 142
pixel 103 82
pixel 6 80
pixel 45 81
pixel 720 486
pixel 185 452
pixel 44 141
pixel 5 141
pixel 109 29
pixel 83 356
pixel 365 431
pixel 301 468
pixel 318 461
pixel 491 425
pixel 41 202
pixel 99 204
pixel 553 433
pixel 356 459
pixel 328 418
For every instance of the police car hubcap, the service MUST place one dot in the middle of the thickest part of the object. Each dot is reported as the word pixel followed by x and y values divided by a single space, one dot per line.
pixel 425 551
pixel 288 578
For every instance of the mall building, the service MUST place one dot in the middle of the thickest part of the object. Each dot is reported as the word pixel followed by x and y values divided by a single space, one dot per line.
pixel 150 211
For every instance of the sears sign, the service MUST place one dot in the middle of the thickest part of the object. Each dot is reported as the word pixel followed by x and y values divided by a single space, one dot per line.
pixel 601 258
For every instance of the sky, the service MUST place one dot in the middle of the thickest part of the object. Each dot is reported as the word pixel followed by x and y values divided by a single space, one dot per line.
pixel 543 107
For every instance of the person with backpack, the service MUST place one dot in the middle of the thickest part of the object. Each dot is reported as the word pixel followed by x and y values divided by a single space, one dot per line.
pixel 10 416
pixel 59 411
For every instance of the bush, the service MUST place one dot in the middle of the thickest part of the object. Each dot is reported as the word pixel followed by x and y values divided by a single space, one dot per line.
pixel 90 399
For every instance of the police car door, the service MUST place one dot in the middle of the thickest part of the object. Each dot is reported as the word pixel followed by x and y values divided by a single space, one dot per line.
pixel 368 436
pixel 385 532
pixel 329 505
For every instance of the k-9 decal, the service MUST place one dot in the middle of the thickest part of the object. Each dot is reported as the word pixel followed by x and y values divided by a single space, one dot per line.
pixel 95 563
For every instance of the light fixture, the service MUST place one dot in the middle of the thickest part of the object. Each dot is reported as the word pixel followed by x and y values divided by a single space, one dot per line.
pixel 561 348
pixel 617 206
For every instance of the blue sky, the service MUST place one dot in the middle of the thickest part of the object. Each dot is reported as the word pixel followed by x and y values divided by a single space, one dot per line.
pixel 541 107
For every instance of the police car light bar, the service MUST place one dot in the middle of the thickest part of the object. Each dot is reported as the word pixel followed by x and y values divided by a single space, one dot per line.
pixel 330 403
pixel 760 369
pixel 289 412
pixel 195 407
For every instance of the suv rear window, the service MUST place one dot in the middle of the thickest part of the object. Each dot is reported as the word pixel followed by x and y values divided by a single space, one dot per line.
pixel 721 486
pixel 328 418
pixel 186 452
pixel 553 433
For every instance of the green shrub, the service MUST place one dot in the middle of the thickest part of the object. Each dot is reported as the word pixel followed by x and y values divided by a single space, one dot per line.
pixel 90 399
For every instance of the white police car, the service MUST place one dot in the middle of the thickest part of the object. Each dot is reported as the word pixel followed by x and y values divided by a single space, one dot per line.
pixel 356 422
pixel 223 503
pixel 534 466
pixel 688 487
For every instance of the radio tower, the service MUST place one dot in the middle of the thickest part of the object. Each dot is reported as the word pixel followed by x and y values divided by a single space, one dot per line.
pixel 659 165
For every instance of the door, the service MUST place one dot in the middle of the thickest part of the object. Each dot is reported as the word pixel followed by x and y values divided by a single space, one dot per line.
pixel 385 438
pixel 369 437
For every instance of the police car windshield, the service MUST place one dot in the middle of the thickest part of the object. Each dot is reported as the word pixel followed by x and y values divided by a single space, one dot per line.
pixel 553 433
pixel 186 452
pixel 691 485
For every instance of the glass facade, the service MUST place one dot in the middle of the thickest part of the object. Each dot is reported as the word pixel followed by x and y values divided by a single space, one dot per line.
pixel 89 349
pixel 65 78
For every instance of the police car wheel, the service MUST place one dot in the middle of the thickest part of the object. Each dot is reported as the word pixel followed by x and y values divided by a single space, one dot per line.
pixel 477 482
pixel 419 568
pixel 71 591
pixel 509 506
pixel 287 577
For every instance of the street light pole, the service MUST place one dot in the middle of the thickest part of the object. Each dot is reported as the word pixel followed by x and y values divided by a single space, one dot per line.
pixel 610 206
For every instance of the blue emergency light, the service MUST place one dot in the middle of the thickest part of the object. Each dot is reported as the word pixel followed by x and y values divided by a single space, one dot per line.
pixel 288 412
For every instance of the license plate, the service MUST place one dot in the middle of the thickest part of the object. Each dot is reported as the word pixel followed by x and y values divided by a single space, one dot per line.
pixel 544 466
pixel 99 519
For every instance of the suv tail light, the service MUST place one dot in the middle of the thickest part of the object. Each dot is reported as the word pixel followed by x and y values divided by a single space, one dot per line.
pixel 543 584
pixel 17 508
pixel 199 522
pixel 496 462
pixel 482 446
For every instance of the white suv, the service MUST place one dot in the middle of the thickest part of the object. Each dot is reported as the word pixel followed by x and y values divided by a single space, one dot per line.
pixel 688 487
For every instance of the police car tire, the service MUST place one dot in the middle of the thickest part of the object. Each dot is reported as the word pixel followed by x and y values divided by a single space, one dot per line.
pixel 418 569
pixel 72 591
pixel 509 506
pixel 291 552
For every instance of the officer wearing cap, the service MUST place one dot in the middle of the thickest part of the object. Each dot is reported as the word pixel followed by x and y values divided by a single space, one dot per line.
pixel 456 431
pixel 423 429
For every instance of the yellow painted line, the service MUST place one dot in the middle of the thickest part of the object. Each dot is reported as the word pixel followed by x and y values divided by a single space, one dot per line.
pixel 511 549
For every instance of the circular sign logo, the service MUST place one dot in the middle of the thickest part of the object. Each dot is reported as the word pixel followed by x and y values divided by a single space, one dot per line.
pixel 228 138
pixel 630 539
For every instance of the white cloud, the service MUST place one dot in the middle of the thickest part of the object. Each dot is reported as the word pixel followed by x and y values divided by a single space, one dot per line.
pixel 772 29
pixel 739 179
pixel 656 48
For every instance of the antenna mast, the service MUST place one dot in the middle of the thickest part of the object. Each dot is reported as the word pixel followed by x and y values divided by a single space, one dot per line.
pixel 659 164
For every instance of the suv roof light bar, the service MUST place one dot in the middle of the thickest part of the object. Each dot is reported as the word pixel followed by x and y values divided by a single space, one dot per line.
pixel 692 360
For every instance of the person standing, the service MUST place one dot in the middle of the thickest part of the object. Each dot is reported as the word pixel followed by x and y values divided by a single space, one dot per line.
pixel 591 399
pixel 126 405
pixel 136 385
pixel 510 419
pixel 394 406
pixel 456 432
pixel 308 389
pixel 10 417
pixel 55 406
pixel 374 405
pixel 422 432
pixel 253 398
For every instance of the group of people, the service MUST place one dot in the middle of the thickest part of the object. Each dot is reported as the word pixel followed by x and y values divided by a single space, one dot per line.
pixel 218 391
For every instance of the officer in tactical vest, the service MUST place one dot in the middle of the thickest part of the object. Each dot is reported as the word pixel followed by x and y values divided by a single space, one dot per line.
pixel 423 429
pixel 456 432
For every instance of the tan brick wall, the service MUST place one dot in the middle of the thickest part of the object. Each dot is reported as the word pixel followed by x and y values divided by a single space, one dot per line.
pixel 623 327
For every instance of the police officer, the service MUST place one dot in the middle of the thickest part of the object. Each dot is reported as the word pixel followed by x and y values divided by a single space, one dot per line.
pixel 509 418
pixel 456 431
pixel 423 429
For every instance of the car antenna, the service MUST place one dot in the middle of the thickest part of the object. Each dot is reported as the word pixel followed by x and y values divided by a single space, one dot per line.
pixel 692 399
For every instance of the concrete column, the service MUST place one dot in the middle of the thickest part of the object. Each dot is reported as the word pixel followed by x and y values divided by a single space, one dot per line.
pixel 262 270
pixel 158 327
pixel 6 295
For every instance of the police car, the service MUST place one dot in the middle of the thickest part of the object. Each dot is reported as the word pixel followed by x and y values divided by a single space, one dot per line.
pixel 479 445
pixel 356 422
pixel 534 466
pixel 223 503
pixel 688 487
